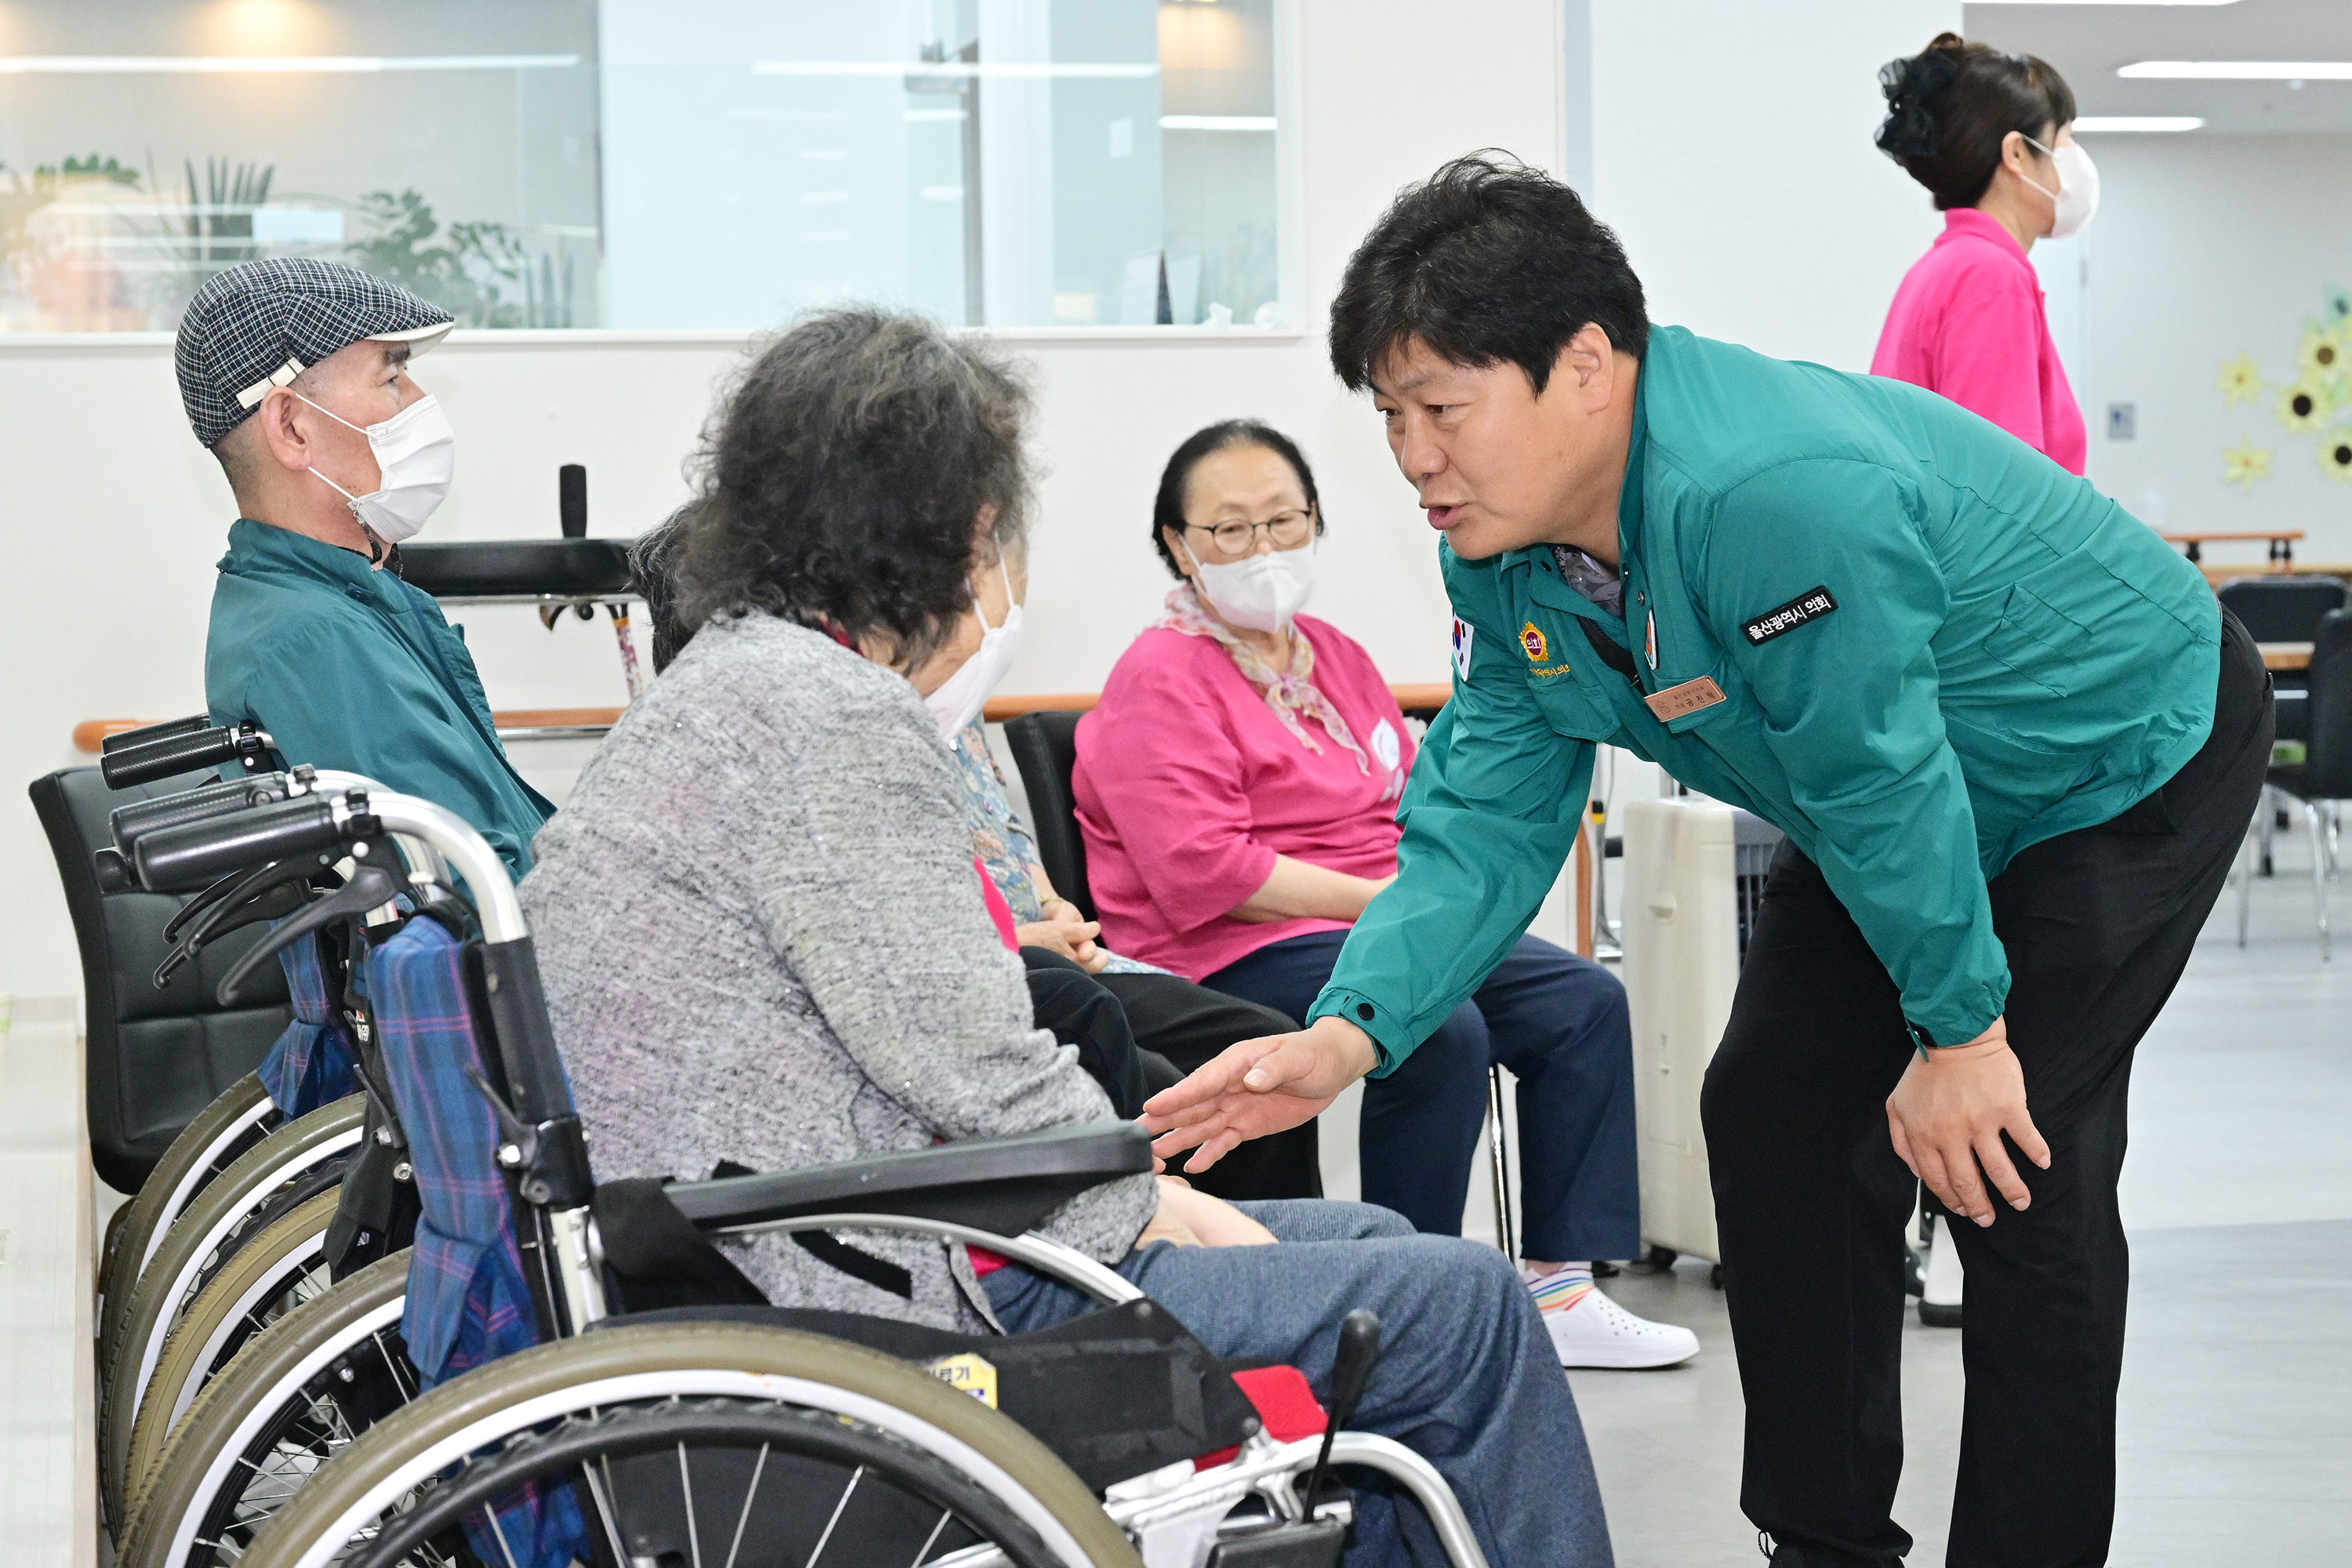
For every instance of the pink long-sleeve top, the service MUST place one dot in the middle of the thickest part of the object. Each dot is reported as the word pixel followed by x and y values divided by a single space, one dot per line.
pixel 1969 324
pixel 1188 786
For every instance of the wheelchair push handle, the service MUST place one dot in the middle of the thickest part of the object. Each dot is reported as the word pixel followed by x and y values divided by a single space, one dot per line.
pixel 146 732
pixel 129 823
pixel 194 855
pixel 185 753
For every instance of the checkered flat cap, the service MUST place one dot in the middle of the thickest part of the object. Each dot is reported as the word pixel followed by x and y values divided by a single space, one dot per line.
pixel 262 324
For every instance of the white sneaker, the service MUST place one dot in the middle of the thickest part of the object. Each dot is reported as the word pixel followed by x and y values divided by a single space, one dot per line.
pixel 1595 1332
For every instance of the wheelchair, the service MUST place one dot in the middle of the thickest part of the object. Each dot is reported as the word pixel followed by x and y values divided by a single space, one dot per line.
pixel 649 1424
pixel 228 1230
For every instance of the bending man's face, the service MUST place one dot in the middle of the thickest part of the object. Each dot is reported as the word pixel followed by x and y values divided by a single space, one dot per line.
pixel 1496 466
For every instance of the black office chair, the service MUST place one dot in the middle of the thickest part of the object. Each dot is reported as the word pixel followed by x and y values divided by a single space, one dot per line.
pixel 155 1057
pixel 2285 609
pixel 1045 749
pixel 2323 778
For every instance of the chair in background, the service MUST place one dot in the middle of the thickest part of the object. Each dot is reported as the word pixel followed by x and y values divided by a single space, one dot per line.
pixel 1045 749
pixel 2285 609
pixel 2322 780
pixel 155 1059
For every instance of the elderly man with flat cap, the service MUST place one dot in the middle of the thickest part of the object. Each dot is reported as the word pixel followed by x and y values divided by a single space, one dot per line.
pixel 295 374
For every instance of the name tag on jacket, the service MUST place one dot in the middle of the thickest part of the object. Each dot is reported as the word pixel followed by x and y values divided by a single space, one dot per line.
pixel 1688 698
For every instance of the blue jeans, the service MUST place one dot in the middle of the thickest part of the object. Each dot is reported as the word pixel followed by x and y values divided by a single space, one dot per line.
pixel 1466 1376
pixel 1558 1023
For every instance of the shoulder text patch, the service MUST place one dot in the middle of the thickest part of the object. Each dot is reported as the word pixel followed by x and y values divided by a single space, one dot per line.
pixel 1810 605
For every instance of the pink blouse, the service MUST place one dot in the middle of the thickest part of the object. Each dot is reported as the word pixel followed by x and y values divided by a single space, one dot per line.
pixel 1969 324
pixel 1188 786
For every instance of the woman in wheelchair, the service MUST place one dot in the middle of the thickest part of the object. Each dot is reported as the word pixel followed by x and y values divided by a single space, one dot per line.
pixel 765 943
pixel 1138 1028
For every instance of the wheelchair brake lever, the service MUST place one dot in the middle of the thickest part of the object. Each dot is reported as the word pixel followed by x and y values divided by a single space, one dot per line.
pixel 1351 1369
pixel 371 887
pixel 273 902
pixel 231 904
pixel 204 903
pixel 517 1138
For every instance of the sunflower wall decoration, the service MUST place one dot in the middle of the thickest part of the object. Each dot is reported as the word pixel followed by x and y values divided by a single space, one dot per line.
pixel 2316 403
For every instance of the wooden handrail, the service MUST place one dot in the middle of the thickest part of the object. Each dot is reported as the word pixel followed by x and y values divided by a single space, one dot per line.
pixel 91 733
pixel 1421 696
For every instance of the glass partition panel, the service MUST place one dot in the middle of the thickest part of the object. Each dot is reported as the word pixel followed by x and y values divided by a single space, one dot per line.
pixel 658 165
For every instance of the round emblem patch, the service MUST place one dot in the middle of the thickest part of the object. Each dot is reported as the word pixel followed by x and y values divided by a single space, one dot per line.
pixel 1533 641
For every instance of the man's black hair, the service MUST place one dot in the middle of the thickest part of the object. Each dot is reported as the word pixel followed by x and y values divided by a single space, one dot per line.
pixel 1168 505
pixel 1486 261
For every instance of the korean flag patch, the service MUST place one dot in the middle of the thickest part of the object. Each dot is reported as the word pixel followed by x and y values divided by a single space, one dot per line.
pixel 1463 632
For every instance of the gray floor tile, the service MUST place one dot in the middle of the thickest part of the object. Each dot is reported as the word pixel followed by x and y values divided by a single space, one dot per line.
pixel 2235 1414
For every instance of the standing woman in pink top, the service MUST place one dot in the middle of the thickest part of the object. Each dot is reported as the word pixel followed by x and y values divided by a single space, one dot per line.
pixel 1238 787
pixel 1991 134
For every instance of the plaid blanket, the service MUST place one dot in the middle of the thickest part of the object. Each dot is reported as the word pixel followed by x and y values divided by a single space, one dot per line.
pixel 311 1064
pixel 467 1302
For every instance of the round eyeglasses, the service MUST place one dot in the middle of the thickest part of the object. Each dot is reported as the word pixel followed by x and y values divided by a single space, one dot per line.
pixel 1287 529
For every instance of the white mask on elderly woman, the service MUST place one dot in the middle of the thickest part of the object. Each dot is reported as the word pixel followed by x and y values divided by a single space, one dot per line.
pixel 960 697
pixel 1260 592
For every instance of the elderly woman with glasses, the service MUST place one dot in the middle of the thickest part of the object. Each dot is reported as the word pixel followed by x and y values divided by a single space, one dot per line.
pixel 1238 789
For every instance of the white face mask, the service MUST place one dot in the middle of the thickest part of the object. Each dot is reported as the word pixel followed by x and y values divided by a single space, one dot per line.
pixel 2077 195
pixel 417 454
pixel 1260 592
pixel 960 697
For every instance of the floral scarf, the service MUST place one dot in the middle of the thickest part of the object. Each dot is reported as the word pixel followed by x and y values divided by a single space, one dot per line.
pixel 1289 696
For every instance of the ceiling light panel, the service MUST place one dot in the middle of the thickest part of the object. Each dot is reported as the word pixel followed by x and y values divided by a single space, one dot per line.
pixel 2239 70
pixel 2096 124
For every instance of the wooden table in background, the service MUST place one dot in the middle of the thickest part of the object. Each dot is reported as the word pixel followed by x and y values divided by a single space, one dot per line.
pixel 2292 655
pixel 2281 541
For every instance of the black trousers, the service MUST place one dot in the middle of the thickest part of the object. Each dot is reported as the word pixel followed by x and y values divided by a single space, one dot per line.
pixel 1139 1034
pixel 1810 1199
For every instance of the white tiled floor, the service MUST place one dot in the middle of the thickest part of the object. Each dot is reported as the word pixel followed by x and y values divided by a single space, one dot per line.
pixel 48 1476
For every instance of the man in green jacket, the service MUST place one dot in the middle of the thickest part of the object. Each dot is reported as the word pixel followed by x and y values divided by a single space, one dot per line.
pixel 2012 740
pixel 295 376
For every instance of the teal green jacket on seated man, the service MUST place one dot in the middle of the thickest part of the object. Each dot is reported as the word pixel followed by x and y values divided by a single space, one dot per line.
pixel 350 668
pixel 1890 628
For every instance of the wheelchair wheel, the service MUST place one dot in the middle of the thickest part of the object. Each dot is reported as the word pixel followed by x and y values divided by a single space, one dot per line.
pixel 221 1219
pixel 240 1118
pixel 277 1270
pixel 296 1395
pixel 686 1436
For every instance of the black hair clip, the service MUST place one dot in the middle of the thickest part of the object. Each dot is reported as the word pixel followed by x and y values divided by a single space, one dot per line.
pixel 1911 131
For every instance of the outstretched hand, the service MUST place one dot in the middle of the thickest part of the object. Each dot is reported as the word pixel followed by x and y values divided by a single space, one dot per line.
pixel 1254 1088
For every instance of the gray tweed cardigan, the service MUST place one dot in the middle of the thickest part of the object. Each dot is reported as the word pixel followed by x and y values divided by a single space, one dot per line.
pixel 763 940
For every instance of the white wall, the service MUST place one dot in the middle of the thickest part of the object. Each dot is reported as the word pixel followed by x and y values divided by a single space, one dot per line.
pixel 1731 150
pixel 1730 145
pixel 114 516
pixel 2206 248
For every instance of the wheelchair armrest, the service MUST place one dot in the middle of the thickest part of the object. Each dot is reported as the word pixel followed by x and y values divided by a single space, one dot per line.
pixel 1001 1184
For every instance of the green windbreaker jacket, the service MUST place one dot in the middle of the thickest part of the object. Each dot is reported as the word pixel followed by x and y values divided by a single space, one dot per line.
pixel 350 668
pixel 1932 647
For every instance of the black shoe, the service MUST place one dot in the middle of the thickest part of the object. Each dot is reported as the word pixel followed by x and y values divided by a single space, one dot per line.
pixel 1936 1315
